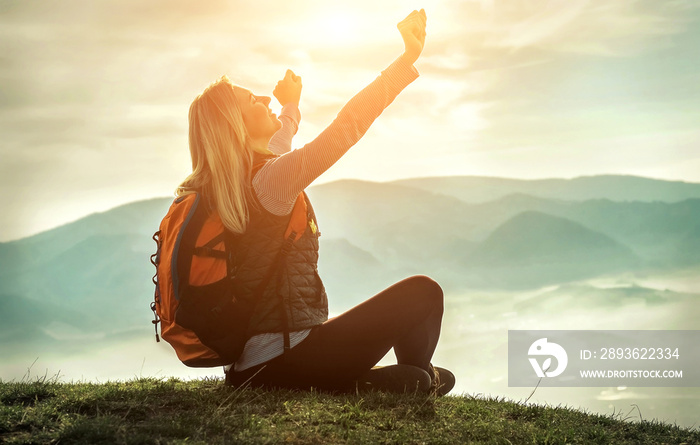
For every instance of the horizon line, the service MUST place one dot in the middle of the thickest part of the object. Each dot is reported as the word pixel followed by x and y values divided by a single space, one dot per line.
pixel 152 197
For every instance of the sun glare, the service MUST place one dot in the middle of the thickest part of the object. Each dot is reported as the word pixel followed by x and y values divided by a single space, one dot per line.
pixel 338 27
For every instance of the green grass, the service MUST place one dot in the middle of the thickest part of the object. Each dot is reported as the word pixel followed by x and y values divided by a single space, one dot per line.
pixel 152 411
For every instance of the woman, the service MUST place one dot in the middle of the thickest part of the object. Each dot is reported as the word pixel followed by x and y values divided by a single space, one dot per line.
pixel 243 165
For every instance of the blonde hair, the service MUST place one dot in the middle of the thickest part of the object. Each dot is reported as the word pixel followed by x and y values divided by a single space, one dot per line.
pixel 222 158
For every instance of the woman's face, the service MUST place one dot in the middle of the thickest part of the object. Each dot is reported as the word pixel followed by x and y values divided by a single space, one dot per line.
pixel 259 120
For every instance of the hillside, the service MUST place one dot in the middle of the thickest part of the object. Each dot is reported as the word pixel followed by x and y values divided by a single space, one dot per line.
pixel 653 230
pixel 534 249
pixel 205 411
pixel 532 238
pixel 139 218
pixel 396 224
pixel 22 320
pixel 102 276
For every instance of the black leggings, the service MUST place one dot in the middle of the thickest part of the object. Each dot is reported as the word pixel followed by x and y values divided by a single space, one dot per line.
pixel 406 316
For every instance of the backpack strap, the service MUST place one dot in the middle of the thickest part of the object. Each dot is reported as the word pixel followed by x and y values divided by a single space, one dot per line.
pixel 298 219
pixel 208 250
pixel 185 243
pixel 286 247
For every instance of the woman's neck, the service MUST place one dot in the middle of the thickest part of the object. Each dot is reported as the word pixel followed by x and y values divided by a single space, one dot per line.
pixel 260 146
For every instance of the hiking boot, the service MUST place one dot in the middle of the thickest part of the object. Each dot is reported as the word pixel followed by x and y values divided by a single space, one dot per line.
pixel 395 379
pixel 443 381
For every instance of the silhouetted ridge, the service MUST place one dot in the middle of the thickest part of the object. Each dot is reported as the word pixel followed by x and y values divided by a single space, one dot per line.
pixel 532 238
pixel 477 189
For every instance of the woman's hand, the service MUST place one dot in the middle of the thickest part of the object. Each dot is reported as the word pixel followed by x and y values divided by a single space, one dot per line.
pixel 412 30
pixel 288 90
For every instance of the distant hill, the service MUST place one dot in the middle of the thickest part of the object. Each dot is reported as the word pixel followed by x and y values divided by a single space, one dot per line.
pixel 533 238
pixel 396 224
pixel 534 248
pixel 476 189
pixel 21 322
pixel 139 218
pixel 658 231
pixel 103 278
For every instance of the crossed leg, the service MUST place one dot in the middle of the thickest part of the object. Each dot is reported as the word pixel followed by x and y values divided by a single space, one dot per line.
pixel 407 316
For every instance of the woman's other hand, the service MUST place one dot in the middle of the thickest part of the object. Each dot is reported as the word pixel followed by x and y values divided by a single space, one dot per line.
pixel 288 90
pixel 412 30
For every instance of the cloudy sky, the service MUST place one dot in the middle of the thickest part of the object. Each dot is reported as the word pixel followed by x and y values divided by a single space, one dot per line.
pixel 94 94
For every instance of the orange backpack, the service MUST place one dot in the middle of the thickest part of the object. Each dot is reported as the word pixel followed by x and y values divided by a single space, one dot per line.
pixel 200 316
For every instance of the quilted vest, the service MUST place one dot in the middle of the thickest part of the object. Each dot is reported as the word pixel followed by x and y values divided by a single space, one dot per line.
pixel 296 288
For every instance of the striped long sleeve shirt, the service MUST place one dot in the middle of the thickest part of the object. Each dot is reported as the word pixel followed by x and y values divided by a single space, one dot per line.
pixel 282 178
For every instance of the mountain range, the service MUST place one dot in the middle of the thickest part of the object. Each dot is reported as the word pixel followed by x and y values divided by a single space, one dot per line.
pixel 91 278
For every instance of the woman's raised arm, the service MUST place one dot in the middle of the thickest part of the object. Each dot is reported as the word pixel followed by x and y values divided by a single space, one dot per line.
pixel 279 182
